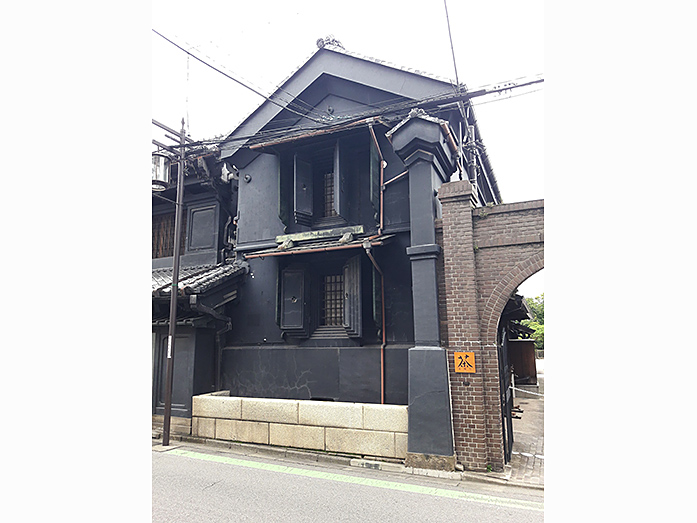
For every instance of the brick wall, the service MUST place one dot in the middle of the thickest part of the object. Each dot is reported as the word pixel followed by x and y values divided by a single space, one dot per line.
pixel 440 276
pixel 509 248
pixel 487 253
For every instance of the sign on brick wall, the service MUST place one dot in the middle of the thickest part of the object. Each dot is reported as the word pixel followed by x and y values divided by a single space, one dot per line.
pixel 464 362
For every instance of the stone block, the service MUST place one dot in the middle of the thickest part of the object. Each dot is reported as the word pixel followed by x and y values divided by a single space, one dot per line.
pixel 177 425
pixel 389 418
pixel 270 410
pixel 298 436
pixel 363 442
pixel 329 414
pixel 208 406
pixel 400 444
pixel 246 431
pixel 223 429
pixel 205 427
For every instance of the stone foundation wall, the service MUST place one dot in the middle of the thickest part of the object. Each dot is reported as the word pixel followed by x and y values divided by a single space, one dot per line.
pixel 353 428
pixel 177 425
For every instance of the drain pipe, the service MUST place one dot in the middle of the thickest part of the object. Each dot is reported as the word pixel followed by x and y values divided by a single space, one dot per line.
pixel 367 247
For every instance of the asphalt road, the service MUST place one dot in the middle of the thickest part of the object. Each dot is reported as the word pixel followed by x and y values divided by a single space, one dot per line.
pixel 193 483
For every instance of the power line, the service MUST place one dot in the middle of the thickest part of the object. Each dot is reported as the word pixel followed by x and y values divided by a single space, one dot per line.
pixel 385 107
pixel 452 48
pixel 298 102
pixel 255 91
pixel 506 98
pixel 282 131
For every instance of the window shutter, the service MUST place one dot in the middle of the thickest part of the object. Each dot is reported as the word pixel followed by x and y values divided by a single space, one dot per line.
pixel 353 319
pixel 340 185
pixel 293 293
pixel 375 180
pixel 285 182
pixel 377 298
pixel 302 194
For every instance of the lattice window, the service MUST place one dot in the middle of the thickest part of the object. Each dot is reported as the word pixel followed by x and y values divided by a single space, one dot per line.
pixel 332 300
pixel 163 235
pixel 329 209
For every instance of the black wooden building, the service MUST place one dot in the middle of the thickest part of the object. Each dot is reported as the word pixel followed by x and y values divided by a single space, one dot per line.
pixel 309 259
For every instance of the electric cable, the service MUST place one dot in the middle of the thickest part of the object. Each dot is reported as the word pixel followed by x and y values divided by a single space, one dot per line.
pixel 380 109
pixel 238 81
pixel 297 101
pixel 294 102
pixel 282 131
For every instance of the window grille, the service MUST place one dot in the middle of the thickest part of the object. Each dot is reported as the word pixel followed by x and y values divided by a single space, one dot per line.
pixel 163 235
pixel 332 300
pixel 329 209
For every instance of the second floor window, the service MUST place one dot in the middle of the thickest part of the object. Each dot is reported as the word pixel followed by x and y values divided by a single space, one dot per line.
pixel 319 185
pixel 163 235
pixel 329 209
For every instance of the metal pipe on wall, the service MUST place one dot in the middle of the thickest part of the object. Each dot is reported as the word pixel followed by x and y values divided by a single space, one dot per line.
pixel 382 315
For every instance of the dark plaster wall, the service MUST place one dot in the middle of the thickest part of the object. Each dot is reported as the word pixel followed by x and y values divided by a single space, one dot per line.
pixel 349 374
pixel 399 312
pixel 258 200
pixel 254 314
pixel 193 368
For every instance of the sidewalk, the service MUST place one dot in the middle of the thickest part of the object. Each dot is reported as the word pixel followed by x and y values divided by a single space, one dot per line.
pixel 527 458
pixel 526 467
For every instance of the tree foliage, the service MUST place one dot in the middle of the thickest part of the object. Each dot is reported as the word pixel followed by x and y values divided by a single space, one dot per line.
pixel 537 308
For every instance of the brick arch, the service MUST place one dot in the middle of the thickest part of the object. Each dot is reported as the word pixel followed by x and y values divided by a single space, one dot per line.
pixel 502 292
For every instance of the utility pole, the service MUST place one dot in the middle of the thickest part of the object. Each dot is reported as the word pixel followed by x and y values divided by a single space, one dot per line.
pixel 175 289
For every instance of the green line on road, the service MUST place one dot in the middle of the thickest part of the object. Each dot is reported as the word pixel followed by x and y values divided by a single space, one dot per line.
pixel 418 489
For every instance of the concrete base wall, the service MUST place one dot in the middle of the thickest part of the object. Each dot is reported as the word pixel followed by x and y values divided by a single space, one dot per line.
pixel 364 429
pixel 177 425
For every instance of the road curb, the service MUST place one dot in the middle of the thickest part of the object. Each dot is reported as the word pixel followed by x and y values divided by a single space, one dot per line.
pixel 250 449
pixel 499 479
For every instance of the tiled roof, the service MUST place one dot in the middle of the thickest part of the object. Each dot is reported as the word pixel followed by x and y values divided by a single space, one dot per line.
pixel 196 279
pixel 390 64
pixel 322 245
pixel 190 318
pixel 341 50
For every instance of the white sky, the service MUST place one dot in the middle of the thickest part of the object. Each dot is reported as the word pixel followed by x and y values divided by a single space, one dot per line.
pixel 263 43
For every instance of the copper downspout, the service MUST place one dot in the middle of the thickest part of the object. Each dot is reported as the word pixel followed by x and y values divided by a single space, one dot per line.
pixel 367 244
pixel 382 314
pixel 449 136
pixel 395 178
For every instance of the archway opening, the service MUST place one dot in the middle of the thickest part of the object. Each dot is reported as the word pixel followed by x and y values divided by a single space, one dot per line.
pixel 520 340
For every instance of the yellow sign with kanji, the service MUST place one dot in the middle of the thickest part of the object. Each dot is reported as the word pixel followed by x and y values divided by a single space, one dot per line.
pixel 464 362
